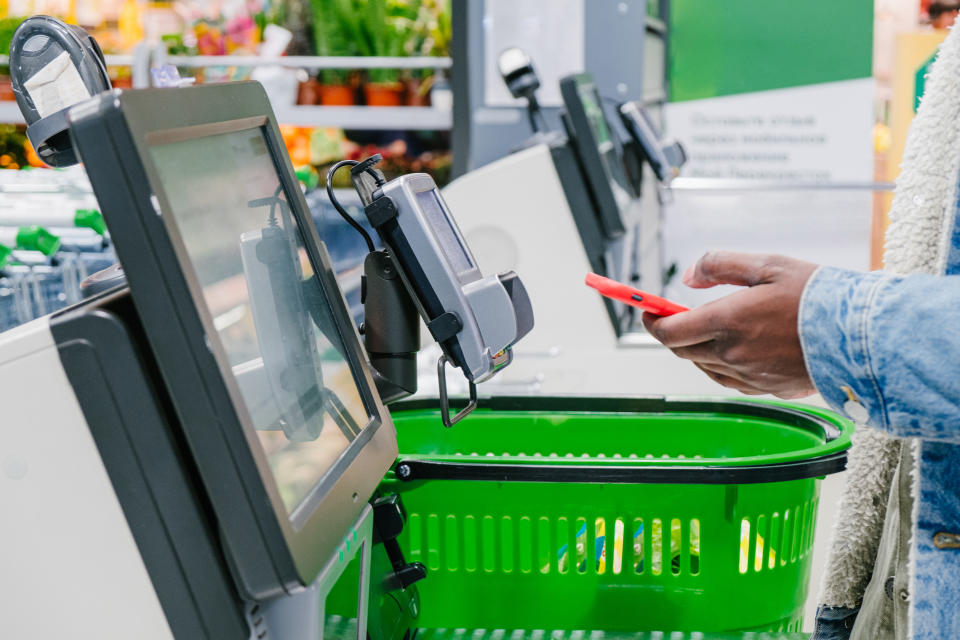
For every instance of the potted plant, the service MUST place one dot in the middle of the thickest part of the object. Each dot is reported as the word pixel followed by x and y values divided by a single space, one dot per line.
pixel 335 32
pixel 383 35
pixel 427 29
pixel 361 28
pixel 383 88
pixel 309 91
pixel 337 88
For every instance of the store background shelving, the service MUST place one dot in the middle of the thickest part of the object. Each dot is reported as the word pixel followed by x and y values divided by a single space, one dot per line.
pixel 352 117
pixel 370 118
pixel 310 62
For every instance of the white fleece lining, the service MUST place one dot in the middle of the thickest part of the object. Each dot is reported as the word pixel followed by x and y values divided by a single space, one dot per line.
pixel 918 240
pixel 912 544
pixel 857 529
pixel 946 233
pixel 859 525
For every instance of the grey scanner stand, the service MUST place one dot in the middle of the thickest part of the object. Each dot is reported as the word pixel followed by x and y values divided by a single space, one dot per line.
pixel 390 329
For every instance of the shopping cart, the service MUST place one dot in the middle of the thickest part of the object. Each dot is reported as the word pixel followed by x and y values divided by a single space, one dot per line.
pixel 33 288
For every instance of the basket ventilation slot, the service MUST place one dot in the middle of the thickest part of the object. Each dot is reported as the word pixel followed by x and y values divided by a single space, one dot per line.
pixel 777 539
pixel 576 546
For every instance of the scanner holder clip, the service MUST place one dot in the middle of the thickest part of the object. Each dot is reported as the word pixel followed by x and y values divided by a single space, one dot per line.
pixel 445 400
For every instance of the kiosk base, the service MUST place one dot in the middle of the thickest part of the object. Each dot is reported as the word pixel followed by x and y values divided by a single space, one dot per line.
pixel 303 615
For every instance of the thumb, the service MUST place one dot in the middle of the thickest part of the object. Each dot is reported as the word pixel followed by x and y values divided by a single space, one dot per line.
pixel 725 267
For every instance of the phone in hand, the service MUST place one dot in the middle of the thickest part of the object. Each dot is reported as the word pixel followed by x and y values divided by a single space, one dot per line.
pixel 633 297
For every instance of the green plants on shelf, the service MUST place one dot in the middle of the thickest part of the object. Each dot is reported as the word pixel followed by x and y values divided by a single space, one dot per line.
pixel 381 28
pixel 381 36
pixel 427 26
pixel 427 31
pixel 335 33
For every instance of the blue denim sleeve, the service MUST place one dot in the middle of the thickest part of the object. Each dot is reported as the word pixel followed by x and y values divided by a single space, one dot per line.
pixel 885 350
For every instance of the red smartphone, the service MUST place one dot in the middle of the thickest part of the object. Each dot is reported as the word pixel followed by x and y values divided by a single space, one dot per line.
pixel 634 297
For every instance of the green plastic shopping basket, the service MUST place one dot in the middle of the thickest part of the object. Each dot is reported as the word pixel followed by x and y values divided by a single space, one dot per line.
pixel 614 514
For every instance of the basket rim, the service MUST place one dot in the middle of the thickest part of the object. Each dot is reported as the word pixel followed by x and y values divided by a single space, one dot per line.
pixel 809 462
pixel 410 469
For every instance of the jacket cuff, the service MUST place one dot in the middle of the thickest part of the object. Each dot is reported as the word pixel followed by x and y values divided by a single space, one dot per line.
pixel 833 318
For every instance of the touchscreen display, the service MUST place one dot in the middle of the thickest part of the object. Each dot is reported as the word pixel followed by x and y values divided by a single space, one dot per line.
pixel 244 250
pixel 598 121
pixel 443 229
pixel 606 145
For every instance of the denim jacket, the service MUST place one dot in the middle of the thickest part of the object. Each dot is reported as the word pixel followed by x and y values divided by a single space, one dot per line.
pixel 885 350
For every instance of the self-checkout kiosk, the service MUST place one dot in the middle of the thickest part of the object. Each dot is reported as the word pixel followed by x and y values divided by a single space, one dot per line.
pixel 195 451
pixel 571 202
pixel 540 198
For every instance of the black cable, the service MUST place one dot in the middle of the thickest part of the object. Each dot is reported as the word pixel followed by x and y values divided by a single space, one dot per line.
pixel 543 121
pixel 532 115
pixel 273 206
pixel 271 202
pixel 534 110
pixel 336 204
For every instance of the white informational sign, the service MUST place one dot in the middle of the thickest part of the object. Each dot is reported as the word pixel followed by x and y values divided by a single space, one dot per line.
pixel 820 133
pixel 551 32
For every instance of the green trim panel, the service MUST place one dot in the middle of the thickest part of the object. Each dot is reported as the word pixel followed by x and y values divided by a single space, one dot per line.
pixel 742 46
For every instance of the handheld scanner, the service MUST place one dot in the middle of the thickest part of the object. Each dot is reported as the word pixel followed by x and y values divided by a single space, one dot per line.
pixel 475 319
pixel 53 66
pixel 664 156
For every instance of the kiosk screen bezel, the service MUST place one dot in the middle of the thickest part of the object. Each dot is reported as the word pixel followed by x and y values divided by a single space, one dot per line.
pixel 269 550
pixel 603 167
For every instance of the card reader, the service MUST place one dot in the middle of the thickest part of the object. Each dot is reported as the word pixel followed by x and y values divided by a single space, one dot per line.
pixel 475 319
pixel 666 157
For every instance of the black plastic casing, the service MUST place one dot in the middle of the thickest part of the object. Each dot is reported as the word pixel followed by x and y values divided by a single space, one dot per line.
pixel 270 553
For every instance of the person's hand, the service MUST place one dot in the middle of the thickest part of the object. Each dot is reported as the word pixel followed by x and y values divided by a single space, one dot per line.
pixel 747 340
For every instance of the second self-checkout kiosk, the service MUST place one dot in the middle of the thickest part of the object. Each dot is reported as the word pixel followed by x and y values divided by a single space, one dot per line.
pixel 568 203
